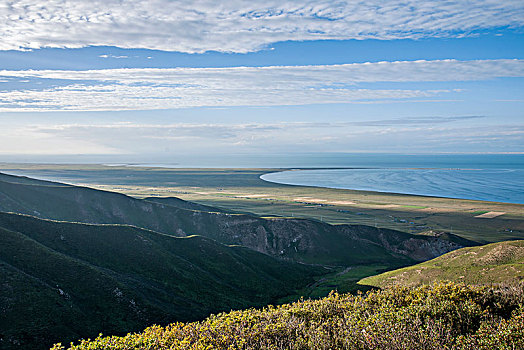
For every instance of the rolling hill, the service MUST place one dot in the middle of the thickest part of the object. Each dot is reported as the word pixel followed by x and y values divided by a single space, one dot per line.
pixel 492 263
pixel 64 281
pixel 76 261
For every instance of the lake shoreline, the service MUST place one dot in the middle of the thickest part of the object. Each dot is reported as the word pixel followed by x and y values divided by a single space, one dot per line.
pixel 448 183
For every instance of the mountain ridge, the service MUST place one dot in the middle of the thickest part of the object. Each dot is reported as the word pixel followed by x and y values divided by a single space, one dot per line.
pixel 302 240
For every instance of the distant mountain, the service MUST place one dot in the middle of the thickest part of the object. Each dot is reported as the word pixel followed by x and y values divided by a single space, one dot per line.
pixel 301 240
pixel 492 263
pixel 63 281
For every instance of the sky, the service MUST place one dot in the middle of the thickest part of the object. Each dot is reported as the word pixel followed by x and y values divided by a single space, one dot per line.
pixel 157 81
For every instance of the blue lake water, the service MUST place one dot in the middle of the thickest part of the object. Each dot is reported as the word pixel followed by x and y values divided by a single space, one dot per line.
pixel 488 181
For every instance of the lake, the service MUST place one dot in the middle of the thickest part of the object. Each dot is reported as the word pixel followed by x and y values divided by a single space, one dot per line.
pixel 488 178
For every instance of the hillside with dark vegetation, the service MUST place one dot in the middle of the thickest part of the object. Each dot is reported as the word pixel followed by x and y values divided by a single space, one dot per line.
pixel 63 281
pixel 440 316
pixel 182 204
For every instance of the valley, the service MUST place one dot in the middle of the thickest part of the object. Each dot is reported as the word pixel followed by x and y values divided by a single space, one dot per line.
pixel 80 257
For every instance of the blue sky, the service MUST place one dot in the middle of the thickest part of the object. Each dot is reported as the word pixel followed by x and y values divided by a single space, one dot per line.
pixel 162 79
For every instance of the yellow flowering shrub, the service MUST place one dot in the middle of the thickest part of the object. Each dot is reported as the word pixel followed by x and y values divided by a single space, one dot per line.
pixel 439 316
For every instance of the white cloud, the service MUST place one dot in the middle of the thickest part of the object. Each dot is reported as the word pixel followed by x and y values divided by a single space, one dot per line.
pixel 112 56
pixel 240 26
pixel 148 89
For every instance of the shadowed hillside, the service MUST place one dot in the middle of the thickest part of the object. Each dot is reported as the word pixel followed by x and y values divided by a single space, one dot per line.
pixel 63 281
pixel 492 263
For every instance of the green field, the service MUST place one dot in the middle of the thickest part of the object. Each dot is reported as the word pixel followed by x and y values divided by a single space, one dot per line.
pixel 349 252
pixel 343 280
pixel 242 190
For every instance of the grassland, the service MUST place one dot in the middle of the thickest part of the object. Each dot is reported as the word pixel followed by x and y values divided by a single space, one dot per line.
pixel 441 316
pixel 242 190
pixel 348 252
pixel 491 263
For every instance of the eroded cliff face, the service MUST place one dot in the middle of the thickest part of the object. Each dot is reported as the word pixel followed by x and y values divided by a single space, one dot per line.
pixel 422 250
pixel 416 247
pixel 311 241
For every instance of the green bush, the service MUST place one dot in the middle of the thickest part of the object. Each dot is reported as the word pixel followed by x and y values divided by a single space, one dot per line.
pixel 440 316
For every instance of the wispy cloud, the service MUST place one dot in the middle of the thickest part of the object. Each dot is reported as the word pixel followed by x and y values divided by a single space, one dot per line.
pixel 113 56
pixel 240 26
pixel 418 120
pixel 228 131
pixel 148 89
pixel 214 138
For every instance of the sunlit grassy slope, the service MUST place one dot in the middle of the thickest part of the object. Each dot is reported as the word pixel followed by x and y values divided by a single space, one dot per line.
pixel 442 316
pixel 63 281
pixel 492 263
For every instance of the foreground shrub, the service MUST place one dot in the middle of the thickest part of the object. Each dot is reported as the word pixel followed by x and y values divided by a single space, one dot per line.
pixel 441 316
